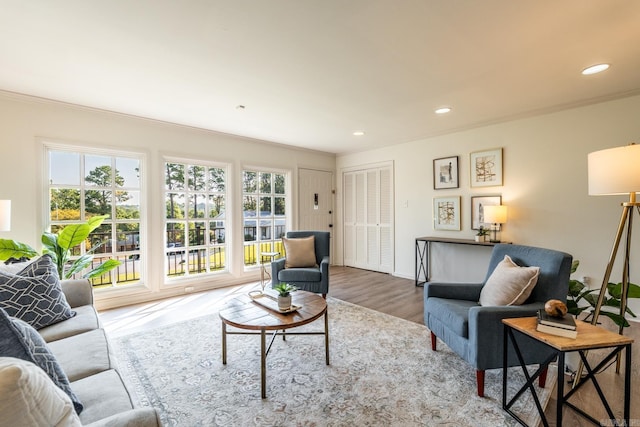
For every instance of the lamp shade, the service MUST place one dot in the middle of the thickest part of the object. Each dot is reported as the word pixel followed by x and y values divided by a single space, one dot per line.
pixel 614 171
pixel 495 214
pixel 5 215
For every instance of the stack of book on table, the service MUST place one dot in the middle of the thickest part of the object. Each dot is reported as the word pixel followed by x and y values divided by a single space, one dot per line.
pixel 561 326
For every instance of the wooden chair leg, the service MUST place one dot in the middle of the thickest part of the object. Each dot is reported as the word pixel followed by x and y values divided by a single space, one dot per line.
pixel 480 380
pixel 542 379
pixel 434 340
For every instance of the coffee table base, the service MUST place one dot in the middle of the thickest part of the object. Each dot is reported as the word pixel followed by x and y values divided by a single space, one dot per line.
pixel 264 349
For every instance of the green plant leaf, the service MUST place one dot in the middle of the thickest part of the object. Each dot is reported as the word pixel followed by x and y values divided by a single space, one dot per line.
pixel 617 319
pixel 575 287
pixel 78 265
pixel 12 249
pixel 74 234
pixel 574 265
pixel 102 268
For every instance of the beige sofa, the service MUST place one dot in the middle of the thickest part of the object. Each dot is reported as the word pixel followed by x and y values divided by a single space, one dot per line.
pixel 83 351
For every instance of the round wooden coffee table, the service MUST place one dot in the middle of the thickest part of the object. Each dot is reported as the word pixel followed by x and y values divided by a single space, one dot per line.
pixel 243 312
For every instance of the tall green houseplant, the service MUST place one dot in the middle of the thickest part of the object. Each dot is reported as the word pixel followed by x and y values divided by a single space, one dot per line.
pixel 59 247
pixel 578 292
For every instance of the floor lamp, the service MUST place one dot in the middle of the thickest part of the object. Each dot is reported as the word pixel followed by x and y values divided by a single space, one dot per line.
pixel 615 171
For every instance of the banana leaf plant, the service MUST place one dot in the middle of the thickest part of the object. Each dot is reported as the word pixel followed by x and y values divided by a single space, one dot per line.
pixel 578 292
pixel 59 247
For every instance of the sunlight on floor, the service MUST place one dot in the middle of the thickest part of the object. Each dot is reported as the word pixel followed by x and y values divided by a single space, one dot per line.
pixel 145 316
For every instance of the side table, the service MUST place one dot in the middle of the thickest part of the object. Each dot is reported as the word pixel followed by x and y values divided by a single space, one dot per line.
pixel 269 256
pixel 590 337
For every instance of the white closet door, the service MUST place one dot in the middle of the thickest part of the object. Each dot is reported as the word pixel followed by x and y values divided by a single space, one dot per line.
pixel 368 219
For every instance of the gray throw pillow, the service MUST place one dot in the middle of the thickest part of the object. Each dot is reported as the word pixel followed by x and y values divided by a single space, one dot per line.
pixel 35 294
pixel 19 340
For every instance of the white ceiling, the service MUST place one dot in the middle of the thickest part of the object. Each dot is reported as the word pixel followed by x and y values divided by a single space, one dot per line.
pixel 310 72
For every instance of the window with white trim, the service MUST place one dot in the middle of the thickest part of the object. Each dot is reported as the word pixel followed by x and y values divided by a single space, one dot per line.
pixel 195 222
pixel 85 183
pixel 264 210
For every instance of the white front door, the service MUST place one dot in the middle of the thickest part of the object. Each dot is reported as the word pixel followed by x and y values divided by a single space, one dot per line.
pixel 315 200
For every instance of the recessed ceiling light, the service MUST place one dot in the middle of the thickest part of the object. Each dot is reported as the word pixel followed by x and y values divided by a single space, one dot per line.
pixel 594 69
pixel 443 110
pixel 358 133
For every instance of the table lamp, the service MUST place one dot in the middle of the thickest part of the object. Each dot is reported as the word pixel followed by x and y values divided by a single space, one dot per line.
pixel 495 215
pixel 5 215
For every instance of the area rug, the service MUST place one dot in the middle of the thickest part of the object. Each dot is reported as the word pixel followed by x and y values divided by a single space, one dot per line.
pixel 382 373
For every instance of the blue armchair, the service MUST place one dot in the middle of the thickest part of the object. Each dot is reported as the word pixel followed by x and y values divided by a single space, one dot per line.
pixel 475 332
pixel 312 279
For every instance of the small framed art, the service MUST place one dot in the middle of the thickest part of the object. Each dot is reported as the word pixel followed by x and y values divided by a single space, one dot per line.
pixel 477 209
pixel 486 168
pixel 446 213
pixel 445 173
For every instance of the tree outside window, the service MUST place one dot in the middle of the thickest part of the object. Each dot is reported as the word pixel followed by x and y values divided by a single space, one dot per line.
pixel 264 213
pixel 195 223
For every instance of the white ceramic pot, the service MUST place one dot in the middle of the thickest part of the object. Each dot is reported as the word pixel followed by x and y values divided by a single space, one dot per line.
pixel 284 303
pixel 479 238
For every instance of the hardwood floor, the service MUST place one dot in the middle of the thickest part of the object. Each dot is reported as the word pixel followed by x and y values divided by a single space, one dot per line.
pixel 382 292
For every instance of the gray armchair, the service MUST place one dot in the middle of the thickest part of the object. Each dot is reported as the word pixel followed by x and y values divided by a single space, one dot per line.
pixel 475 332
pixel 312 279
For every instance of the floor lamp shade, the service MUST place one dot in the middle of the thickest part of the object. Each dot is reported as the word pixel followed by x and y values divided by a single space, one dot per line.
pixel 614 171
pixel 5 215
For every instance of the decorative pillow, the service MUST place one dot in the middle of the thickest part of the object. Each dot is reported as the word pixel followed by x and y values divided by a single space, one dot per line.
pixel 14 267
pixel 300 252
pixel 35 294
pixel 29 398
pixel 19 340
pixel 509 284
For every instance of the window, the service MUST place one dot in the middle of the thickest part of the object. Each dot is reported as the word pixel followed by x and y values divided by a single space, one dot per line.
pixel 86 184
pixel 195 223
pixel 264 213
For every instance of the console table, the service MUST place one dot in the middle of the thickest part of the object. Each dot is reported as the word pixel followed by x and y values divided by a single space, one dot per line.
pixel 422 253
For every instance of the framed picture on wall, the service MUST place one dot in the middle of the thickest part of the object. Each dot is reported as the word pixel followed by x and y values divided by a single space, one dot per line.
pixel 477 209
pixel 445 173
pixel 486 168
pixel 446 213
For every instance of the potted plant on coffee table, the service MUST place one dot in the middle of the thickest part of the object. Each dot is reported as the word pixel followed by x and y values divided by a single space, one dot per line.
pixel 284 295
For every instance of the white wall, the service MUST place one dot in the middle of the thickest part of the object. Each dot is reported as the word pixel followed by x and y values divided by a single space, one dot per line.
pixel 25 121
pixel 545 188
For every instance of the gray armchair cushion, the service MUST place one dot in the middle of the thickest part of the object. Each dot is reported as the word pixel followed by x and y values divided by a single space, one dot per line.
pixel 300 275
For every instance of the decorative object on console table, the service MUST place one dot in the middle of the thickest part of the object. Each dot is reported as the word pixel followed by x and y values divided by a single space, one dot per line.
pixel 5 215
pixel 486 168
pixel 481 235
pixel 495 215
pixel 445 173
pixel 446 213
